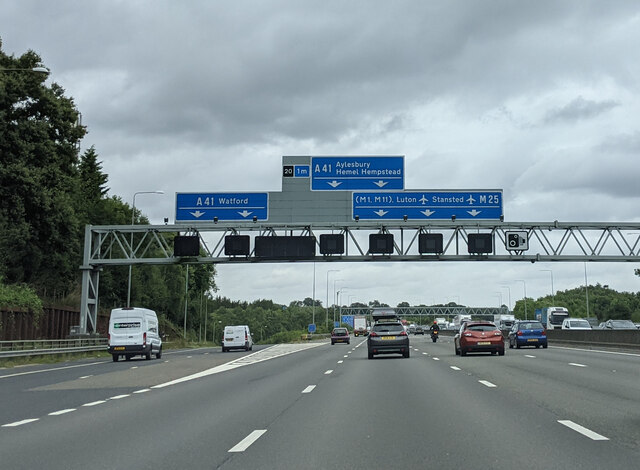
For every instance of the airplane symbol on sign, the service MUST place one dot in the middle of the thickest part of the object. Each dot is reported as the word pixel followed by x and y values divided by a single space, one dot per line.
pixel 471 199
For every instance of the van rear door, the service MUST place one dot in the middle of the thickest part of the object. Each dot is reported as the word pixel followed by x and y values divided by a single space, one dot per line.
pixel 126 331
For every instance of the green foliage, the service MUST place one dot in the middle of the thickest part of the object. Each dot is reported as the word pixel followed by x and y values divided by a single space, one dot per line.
pixel 604 303
pixel 19 297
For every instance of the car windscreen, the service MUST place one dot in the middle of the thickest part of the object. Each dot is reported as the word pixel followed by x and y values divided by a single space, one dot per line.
pixel 394 328
pixel 622 324
pixel 481 328
pixel 580 324
pixel 531 326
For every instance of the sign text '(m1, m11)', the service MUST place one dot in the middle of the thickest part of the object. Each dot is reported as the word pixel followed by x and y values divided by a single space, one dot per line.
pixel 207 207
pixel 428 205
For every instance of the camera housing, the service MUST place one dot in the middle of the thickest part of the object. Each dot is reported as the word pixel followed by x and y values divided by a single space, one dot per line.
pixel 517 241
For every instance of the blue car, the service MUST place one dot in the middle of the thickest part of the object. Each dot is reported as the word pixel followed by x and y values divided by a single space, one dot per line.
pixel 527 333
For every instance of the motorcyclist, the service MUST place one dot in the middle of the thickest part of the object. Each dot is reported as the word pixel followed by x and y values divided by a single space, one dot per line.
pixel 434 327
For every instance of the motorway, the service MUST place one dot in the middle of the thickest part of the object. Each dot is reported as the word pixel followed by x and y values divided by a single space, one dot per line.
pixel 317 406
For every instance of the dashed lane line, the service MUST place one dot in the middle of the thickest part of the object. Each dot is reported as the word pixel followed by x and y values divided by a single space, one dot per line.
pixel 247 441
pixel 309 389
pixel 487 383
pixel 582 430
pixel 19 423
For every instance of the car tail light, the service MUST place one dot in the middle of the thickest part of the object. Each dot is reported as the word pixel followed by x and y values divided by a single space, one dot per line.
pixel 544 333
pixel 373 333
pixel 246 336
pixel 519 333
pixel 144 338
pixel 404 333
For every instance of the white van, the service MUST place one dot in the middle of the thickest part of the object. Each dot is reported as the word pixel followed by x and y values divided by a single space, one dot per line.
pixel 237 337
pixel 134 331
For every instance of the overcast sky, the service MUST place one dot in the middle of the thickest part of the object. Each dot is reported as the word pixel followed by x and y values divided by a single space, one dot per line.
pixel 537 98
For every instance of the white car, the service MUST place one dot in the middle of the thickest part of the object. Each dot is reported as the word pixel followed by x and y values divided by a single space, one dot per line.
pixel 575 324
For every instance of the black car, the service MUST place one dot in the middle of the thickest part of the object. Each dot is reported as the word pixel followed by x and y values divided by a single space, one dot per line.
pixel 388 337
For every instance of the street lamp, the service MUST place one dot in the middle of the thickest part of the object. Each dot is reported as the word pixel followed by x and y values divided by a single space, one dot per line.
pixel 338 301
pixel 38 69
pixel 334 298
pixel 133 214
pixel 525 297
pixel 326 323
pixel 509 289
pixel 499 296
pixel 553 295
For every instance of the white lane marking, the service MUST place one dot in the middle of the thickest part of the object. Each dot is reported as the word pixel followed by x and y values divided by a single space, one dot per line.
pixel 144 390
pixel 134 367
pixel 86 376
pixel 266 354
pixel 455 368
pixel 426 354
pixel 166 362
pixel 436 358
pixel 309 389
pixel 345 356
pixel 50 370
pixel 19 423
pixel 528 355
pixel 576 365
pixel 487 383
pixel 206 354
pixel 94 403
pixel 594 351
pixel 62 412
pixel 189 357
pixel 118 397
pixel 582 430
pixel 330 371
pixel 340 362
pixel 247 441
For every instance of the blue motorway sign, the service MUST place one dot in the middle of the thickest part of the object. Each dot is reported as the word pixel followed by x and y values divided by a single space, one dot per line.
pixel 312 328
pixel 370 173
pixel 347 320
pixel 428 205
pixel 203 207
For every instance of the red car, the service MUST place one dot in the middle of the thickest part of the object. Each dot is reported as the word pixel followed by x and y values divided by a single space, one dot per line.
pixel 340 335
pixel 478 336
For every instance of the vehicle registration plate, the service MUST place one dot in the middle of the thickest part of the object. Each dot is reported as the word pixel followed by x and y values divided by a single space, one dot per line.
pixel 388 337
pixel 119 348
pixel 228 339
pixel 533 340
pixel 484 343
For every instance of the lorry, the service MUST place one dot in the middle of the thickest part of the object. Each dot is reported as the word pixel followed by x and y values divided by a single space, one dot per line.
pixel 458 320
pixel 504 321
pixel 552 317
pixel 360 325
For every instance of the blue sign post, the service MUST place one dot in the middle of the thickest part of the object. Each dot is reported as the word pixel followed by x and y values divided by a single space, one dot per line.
pixel 203 207
pixel 428 205
pixel 370 173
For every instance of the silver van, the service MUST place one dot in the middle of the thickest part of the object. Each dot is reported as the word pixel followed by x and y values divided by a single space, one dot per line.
pixel 237 337
pixel 134 331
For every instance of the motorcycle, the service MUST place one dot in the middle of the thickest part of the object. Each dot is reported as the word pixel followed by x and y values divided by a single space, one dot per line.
pixel 434 335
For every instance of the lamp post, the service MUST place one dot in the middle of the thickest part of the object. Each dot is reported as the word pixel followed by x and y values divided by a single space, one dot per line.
pixel 334 299
pixel 38 69
pixel 326 323
pixel 553 295
pixel 133 215
pixel 499 296
pixel 525 297
pixel 340 306
pixel 509 289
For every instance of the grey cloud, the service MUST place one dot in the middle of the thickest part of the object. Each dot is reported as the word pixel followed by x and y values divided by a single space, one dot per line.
pixel 579 109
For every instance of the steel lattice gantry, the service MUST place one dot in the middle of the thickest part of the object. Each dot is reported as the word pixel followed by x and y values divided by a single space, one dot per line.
pixel 153 244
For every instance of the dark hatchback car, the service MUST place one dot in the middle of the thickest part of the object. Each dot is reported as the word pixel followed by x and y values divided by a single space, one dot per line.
pixel 479 337
pixel 388 337
pixel 527 333
pixel 340 335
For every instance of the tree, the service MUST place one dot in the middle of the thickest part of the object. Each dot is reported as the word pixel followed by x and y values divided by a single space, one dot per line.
pixel 39 141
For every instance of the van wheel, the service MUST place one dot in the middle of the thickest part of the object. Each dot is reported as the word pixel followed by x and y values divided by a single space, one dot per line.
pixel 147 356
pixel 224 349
pixel 128 357
pixel 159 353
pixel 115 357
